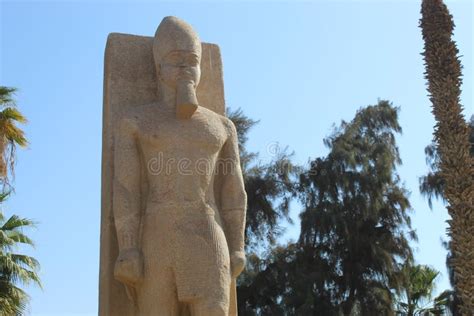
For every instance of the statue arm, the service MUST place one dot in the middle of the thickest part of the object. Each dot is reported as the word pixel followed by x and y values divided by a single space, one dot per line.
pixel 126 207
pixel 233 201
pixel 126 186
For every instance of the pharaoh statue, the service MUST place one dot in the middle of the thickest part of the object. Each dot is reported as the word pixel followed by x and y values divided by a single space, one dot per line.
pixel 173 198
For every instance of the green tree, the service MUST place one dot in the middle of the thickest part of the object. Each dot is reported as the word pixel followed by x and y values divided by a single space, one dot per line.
pixel 353 229
pixel 456 165
pixel 355 216
pixel 417 290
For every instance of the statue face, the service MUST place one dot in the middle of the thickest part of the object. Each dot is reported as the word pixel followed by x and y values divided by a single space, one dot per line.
pixel 180 67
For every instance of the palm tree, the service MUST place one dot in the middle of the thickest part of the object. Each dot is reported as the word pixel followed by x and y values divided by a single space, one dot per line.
pixel 10 135
pixel 432 187
pixel 416 295
pixel 14 267
pixel 443 72
pixel 432 184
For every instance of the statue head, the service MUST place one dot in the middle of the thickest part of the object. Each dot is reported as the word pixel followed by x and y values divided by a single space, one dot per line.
pixel 177 55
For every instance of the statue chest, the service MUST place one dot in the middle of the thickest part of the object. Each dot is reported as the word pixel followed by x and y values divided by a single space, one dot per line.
pixel 199 136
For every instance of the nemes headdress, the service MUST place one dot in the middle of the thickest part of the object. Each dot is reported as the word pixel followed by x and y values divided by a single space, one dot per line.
pixel 174 34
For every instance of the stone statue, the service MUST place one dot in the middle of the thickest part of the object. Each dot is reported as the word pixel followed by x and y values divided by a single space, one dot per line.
pixel 177 205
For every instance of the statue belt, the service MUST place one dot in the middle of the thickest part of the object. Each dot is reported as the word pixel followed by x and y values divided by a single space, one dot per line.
pixel 183 208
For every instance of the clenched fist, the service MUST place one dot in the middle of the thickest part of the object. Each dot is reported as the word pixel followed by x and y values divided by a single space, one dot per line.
pixel 237 263
pixel 129 267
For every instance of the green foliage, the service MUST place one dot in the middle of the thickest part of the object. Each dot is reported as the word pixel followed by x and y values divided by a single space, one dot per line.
pixel 15 268
pixel 354 224
pixel 6 96
pixel 416 296
pixel 356 211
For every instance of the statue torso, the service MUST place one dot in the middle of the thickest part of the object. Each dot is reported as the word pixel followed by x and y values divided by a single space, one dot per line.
pixel 179 156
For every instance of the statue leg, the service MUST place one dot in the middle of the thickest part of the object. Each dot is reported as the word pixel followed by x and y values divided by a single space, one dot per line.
pixel 203 268
pixel 157 293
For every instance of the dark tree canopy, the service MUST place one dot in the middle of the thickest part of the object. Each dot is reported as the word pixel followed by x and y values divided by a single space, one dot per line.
pixel 354 228
pixel 356 211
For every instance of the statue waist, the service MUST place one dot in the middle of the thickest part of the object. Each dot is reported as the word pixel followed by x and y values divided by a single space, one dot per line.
pixel 197 207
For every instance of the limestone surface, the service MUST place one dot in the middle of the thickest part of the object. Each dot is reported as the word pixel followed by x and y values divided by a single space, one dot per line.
pixel 173 198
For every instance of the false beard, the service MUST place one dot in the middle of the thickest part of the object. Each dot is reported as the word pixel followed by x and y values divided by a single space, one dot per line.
pixel 186 99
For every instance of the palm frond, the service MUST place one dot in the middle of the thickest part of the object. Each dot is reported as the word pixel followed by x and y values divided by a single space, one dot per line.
pixel 12 133
pixel 12 114
pixel 17 268
pixel 15 223
pixel 6 96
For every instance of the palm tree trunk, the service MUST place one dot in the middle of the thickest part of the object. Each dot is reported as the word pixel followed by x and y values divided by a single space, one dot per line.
pixel 443 72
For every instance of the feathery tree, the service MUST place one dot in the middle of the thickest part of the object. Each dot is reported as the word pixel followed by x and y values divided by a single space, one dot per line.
pixel 456 165
pixel 355 216
pixel 352 230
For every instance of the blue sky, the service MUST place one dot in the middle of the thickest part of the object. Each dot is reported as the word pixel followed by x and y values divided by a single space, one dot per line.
pixel 298 67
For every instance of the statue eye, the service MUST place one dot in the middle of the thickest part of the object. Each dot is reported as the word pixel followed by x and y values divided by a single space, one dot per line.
pixel 177 61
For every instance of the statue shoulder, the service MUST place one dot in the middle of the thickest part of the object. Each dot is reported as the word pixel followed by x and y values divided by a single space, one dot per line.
pixel 217 118
pixel 225 122
pixel 229 126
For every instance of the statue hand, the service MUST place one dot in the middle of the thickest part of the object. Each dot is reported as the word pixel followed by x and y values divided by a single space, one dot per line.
pixel 129 267
pixel 237 263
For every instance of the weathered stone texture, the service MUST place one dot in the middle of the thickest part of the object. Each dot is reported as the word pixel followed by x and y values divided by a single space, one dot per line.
pixel 173 201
